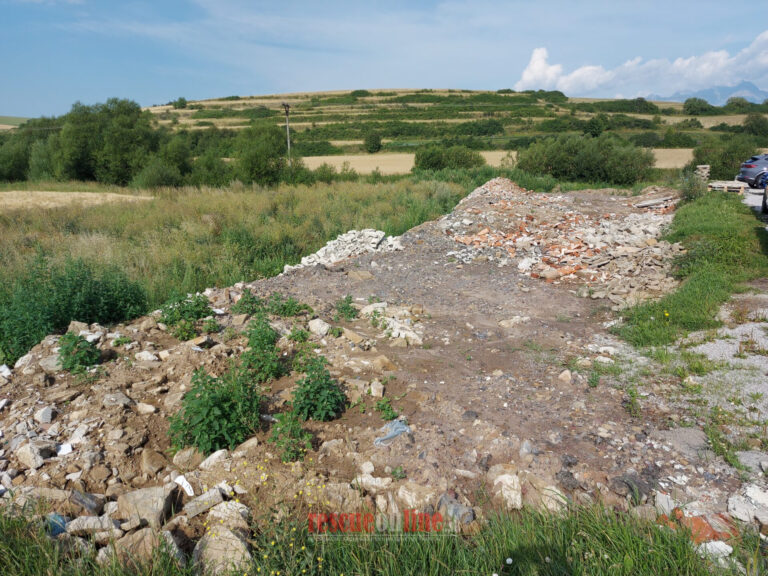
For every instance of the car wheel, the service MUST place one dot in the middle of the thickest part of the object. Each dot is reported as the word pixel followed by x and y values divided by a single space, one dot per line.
pixel 765 200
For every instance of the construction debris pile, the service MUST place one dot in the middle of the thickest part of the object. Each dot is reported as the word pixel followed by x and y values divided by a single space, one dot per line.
pixel 613 254
pixel 352 243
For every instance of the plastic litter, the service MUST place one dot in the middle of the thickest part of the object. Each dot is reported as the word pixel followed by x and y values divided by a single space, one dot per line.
pixel 185 485
pixel 63 449
pixel 55 524
pixel 392 430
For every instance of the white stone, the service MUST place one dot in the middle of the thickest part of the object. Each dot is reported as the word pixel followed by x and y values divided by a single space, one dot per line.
pixel 146 356
pixel 373 484
pixel 715 549
pixel 510 490
pixel 757 495
pixel 214 459
pixel 145 409
pixel 741 508
pixel 5 372
pixel 221 551
pixel 319 327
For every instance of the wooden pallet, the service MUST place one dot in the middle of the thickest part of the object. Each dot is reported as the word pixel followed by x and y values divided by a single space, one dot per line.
pixel 729 186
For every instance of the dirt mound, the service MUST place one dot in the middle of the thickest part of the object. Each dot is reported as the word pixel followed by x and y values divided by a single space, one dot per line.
pixel 487 334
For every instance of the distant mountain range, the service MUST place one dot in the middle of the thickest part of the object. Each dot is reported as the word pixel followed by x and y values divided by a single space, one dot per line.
pixel 718 95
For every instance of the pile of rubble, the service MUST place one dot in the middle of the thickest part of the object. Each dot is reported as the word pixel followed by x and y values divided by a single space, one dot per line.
pixel 614 255
pixel 348 245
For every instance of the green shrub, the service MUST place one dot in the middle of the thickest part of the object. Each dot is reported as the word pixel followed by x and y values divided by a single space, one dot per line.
pixel 317 395
pixel 188 309
pixel 298 335
pixel 179 103
pixel 372 142
pixel 210 170
pixel 217 413
pixel 249 304
pixel 262 358
pixel 76 353
pixel 46 298
pixel 583 158
pixel 288 435
pixel 279 305
pixel 724 155
pixel 157 173
pixel 345 309
pixel 384 407
pixel 455 157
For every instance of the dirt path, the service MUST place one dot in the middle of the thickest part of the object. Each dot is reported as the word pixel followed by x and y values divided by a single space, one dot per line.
pixel 16 199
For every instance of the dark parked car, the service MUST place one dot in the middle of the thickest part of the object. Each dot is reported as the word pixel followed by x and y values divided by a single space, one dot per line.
pixel 762 182
pixel 753 169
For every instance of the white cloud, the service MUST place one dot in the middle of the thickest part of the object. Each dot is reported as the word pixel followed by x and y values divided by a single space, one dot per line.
pixel 661 76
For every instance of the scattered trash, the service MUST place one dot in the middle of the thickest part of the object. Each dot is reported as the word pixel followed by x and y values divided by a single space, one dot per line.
pixel 185 485
pixel 392 430
pixel 55 524
pixel 64 449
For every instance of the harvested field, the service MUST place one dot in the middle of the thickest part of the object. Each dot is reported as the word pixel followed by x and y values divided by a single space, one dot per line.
pixel 365 163
pixel 17 199
pixel 672 157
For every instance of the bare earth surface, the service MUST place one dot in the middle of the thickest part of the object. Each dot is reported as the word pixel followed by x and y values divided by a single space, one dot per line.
pixel 489 332
pixel 17 199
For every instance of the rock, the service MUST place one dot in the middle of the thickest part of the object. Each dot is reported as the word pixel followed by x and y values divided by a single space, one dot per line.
pixel 416 496
pixel 51 364
pixel 565 376
pixel 5 372
pixel 188 458
pixel 665 503
pixel 741 508
pixel 151 504
pixel 34 453
pixel 221 551
pixel 367 467
pixel 45 415
pixel 353 337
pixel 514 321
pixel 116 399
pixel 145 409
pixel 716 549
pixel 138 548
pixel 377 389
pixel 383 364
pixel 204 502
pixel 452 509
pixel 132 523
pixel 373 484
pixel 319 327
pixel 88 525
pixel 232 515
pixel 510 490
pixel 214 459
pixel 152 462
pixel 145 356
pixel 645 512
pixel 757 495
pixel 246 447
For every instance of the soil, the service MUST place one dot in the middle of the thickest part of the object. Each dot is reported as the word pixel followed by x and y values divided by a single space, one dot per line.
pixel 511 371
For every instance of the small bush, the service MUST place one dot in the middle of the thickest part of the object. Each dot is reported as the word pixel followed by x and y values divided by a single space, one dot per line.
pixel 46 298
pixel 583 158
pixel 262 359
pixel 249 304
pixel 298 335
pixel 455 157
pixel 318 396
pixel 724 156
pixel 188 309
pixel 217 412
pixel 344 309
pixel 76 353
pixel 372 142
pixel 157 174
pixel 288 435
pixel 279 305
pixel 384 407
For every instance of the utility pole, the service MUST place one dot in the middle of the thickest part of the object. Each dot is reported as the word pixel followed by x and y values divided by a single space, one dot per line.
pixel 287 130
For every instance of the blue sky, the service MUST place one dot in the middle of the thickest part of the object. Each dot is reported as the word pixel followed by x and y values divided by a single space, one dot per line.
pixel 56 52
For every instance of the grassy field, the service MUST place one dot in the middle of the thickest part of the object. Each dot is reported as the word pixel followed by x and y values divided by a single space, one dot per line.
pixel 726 246
pixel 8 122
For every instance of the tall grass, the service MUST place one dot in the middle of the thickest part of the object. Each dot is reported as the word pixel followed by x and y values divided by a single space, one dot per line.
pixel 726 245
pixel 583 541
pixel 187 239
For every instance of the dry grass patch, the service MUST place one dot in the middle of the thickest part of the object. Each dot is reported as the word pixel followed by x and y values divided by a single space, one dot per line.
pixel 672 157
pixel 29 199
